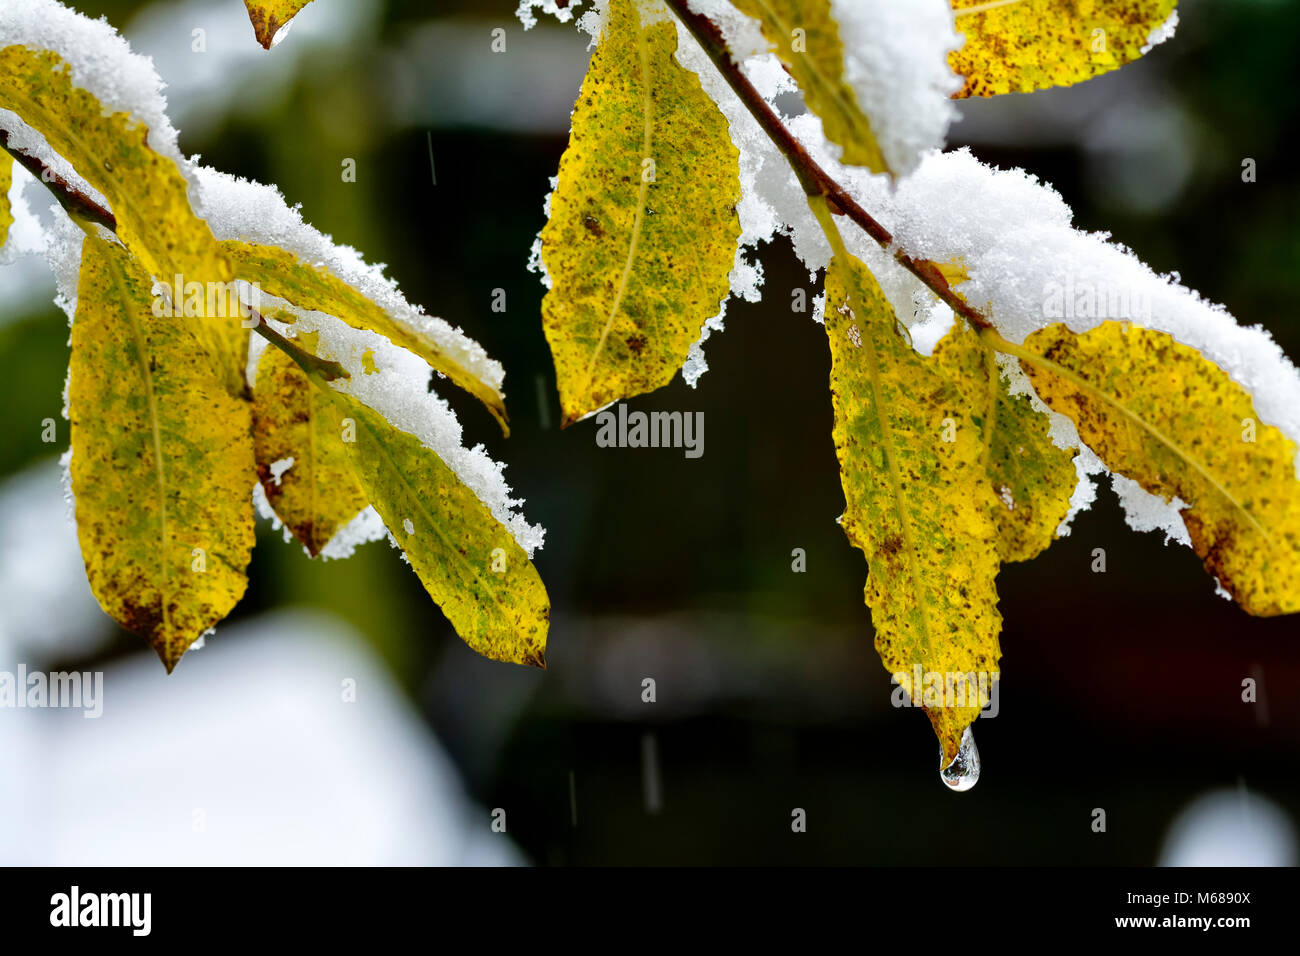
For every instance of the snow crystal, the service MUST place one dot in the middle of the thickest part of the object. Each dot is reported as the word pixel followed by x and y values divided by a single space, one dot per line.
pixel 1161 33
pixel 562 13
pixel 278 468
pixel 1147 512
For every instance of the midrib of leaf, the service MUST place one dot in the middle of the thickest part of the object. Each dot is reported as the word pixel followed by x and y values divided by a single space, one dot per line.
pixel 647 108
pixel 128 310
pixel 484 583
pixel 822 211
pixel 1002 345
pixel 850 112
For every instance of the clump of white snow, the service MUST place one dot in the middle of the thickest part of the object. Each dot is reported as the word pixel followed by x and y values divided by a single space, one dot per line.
pixel 896 60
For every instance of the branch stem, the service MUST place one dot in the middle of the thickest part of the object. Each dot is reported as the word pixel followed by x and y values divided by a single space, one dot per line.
pixel 816 182
pixel 76 203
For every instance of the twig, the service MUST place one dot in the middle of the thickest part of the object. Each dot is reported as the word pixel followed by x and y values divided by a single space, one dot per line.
pixel 77 203
pixel 812 177
pixel 81 207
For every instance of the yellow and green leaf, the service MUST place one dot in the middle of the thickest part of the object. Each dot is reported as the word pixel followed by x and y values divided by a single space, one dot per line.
pixel 269 16
pixel 145 191
pixel 807 40
pixel 1162 414
pixel 279 273
pixel 6 180
pixel 293 419
pixel 1032 478
pixel 162 461
pixel 466 559
pixel 910 437
pixel 1016 46
pixel 643 226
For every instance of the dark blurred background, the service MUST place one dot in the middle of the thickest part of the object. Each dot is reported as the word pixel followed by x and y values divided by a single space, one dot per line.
pixel 1120 690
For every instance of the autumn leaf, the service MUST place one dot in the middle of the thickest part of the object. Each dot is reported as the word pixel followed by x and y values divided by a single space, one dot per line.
pixel 162 461
pixel 807 40
pixel 466 559
pixel 308 286
pixel 1158 412
pixel 6 180
pixel 1016 46
pixel 1032 477
pixel 643 227
pixel 145 191
pixel 269 16
pixel 910 437
pixel 293 420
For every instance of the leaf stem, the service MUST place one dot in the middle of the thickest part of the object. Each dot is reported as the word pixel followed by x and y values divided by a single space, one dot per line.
pixel 315 366
pixel 812 177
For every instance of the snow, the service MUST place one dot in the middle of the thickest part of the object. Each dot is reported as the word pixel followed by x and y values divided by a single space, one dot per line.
pixel 1161 33
pixel 896 60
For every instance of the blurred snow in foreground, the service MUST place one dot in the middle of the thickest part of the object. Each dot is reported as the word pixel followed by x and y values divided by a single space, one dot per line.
pixel 1230 828
pixel 248 754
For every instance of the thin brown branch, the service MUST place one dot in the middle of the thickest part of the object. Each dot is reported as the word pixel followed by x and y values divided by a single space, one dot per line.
pixel 812 177
pixel 78 204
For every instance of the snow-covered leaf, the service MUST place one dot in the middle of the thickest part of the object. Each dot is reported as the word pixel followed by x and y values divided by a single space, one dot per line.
pixel 283 274
pixel 162 461
pixel 1161 414
pixel 806 38
pixel 910 437
pixel 468 561
pixel 643 227
pixel 146 190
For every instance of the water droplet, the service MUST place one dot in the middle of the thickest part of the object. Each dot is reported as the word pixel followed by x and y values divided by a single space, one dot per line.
pixel 964 771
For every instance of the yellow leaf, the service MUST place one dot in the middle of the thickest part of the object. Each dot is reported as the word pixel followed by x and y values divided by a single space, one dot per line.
pixel 162 461
pixel 643 227
pixel 1032 478
pixel 1016 46
pixel 1160 413
pixel 467 560
pixel 293 419
pixel 282 274
pixel 6 180
pixel 145 191
pixel 807 40
pixel 269 16
pixel 910 437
